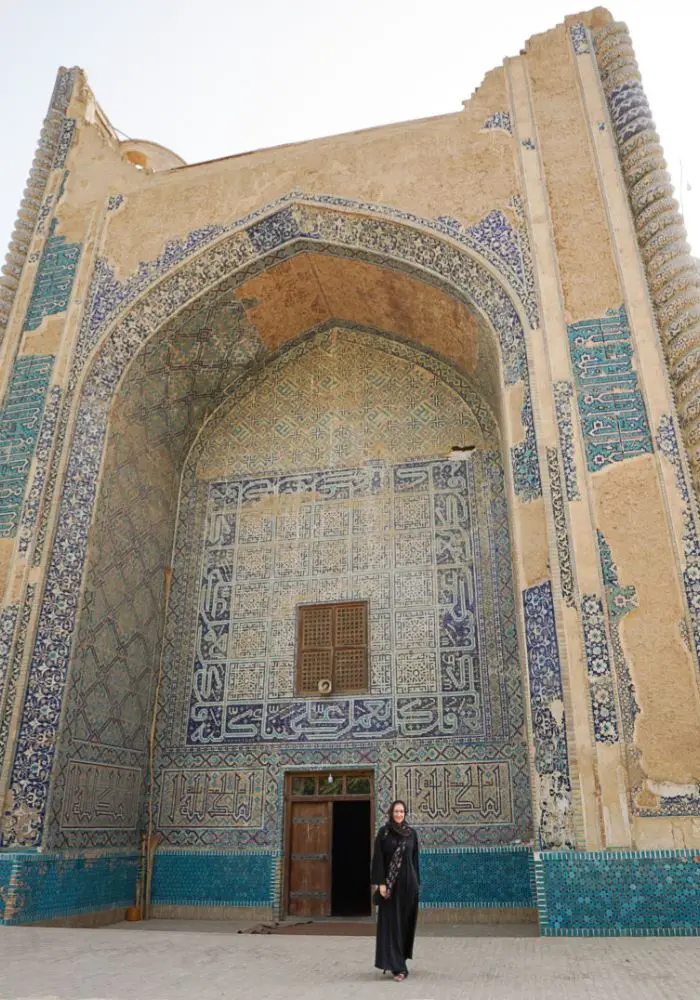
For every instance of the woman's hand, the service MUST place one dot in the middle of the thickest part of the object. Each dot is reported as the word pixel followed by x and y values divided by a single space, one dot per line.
pixel 382 890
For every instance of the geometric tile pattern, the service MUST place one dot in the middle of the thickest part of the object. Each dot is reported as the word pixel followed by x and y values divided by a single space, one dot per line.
pixel 600 678
pixel 399 240
pixel 610 402
pixel 610 893
pixel 425 541
pixel 314 420
pixel 214 878
pixel 54 279
pixel 473 876
pixel 20 419
pixel 548 719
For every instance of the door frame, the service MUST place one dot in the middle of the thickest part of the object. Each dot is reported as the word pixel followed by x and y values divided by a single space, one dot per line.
pixel 289 798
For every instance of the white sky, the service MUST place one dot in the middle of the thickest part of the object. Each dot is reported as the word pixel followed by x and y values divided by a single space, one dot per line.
pixel 209 79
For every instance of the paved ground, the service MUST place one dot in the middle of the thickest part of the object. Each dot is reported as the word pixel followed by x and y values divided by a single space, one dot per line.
pixel 164 961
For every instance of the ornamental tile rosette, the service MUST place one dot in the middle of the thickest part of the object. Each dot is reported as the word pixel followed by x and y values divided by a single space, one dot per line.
pixel 671 272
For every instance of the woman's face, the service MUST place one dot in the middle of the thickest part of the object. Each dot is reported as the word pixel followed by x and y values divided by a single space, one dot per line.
pixel 399 813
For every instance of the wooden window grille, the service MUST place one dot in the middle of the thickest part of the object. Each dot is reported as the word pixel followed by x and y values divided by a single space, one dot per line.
pixel 332 646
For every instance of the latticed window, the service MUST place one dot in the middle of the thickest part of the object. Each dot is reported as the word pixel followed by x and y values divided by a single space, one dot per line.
pixel 332 647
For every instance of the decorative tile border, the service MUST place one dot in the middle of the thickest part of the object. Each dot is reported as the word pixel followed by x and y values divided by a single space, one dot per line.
pixel 563 394
pixel 561 528
pixel 610 403
pixel 42 455
pixel 20 420
pixel 548 718
pixel 600 678
pixel 667 443
pixel 7 696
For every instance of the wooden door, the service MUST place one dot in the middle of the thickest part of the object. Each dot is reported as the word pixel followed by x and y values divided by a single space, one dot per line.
pixel 310 860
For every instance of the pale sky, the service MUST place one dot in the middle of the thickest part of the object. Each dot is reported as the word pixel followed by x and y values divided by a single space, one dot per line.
pixel 210 79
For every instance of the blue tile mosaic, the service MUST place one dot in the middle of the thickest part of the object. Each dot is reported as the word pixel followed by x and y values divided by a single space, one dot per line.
pixel 476 877
pixel 54 279
pixel 600 678
pixel 20 420
pixel 563 394
pixel 548 718
pixel 499 120
pixel 620 600
pixel 618 893
pixel 611 406
pixel 214 878
pixel 330 221
pixel 579 38
pixel 43 887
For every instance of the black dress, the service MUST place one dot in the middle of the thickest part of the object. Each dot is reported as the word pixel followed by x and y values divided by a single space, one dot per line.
pixel 396 916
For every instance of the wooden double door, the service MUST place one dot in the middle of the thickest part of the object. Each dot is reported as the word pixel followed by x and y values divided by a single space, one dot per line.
pixel 329 843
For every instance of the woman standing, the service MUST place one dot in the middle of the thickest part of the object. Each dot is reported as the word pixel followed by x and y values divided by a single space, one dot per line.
pixel 396 873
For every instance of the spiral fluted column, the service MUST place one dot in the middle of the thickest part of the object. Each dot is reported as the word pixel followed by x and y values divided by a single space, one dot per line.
pixel 672 274
pixel 30 205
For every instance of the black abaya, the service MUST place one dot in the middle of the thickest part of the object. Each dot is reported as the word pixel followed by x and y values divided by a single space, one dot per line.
pixel 396 916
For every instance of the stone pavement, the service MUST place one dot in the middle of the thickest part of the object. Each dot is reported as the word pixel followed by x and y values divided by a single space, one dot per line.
pixel 165 961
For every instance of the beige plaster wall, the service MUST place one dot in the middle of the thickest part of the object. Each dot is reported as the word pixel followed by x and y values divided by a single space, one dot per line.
pixel 580 229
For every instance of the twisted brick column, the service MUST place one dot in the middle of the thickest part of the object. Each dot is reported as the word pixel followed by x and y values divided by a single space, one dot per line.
pixel 672 274
pixel 27 216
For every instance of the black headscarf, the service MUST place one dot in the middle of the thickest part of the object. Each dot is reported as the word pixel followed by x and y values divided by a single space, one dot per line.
pixel 400 829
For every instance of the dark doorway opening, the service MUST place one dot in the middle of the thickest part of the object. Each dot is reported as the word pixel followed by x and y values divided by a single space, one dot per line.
pixel 350 887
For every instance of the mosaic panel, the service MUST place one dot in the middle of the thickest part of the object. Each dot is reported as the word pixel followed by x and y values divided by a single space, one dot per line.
pixel 20 420
pixel 54 279
pixel 101 797
pixel 548 718
pixel 227 643
pixel 618 893
pixel 462 794
pixel 610 402
pixel 222 799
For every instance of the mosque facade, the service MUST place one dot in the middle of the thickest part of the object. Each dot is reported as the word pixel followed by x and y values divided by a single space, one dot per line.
pixel 351 470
